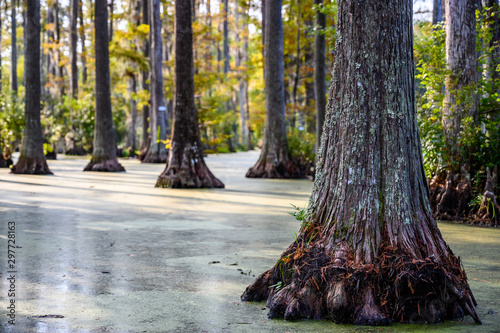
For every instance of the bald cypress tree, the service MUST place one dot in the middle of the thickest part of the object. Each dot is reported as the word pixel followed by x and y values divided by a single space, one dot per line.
pixel 104 149
pixel 186 167
pixel 369 250
pixel 32 159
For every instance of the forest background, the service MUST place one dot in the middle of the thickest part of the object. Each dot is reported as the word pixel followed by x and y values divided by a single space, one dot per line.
pixel 461 163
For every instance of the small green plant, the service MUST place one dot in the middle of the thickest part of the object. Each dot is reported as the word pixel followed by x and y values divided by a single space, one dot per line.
pixel 300 215
pixel 278 286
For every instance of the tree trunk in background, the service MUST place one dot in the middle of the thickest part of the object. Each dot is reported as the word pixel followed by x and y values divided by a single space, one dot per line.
pixel 492 58
pixel 241 60
pixel 369 251
pixel 104 150
pixel 462 63
pixel 131 139
pixel 231 132
pixel 13 43
pixel 83 54
pixel 319 74
pixel 274 160
pixel 31 159
pixel 73 46
pixel 263 31
pixel 60 68
pixel 186 167
pixel 437 12
pixel 144 83
pixel 156 153
pixel 111 13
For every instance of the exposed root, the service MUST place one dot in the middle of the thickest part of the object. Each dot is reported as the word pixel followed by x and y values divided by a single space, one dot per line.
pixel 309 283
pixel 489 210
pixel 31 166
pixel 107 165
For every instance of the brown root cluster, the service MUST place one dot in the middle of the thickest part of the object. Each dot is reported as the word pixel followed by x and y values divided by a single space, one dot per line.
pixel 451 198
pixel 106 165
pixel 308 283
pixel 31 166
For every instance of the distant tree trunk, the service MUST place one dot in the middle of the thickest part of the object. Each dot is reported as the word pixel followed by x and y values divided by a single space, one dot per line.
pixel 492 24
pixel 73 46
pixel 274 160
pixel 60 68
pixel 319 73
pixel 133 116
pixel 156 153
pixel 111 18
pixel 263 20
pixel 186 167
pixel 242 60
pixel 296 75
pixel 369 251
pixel 13 43
pixel 104 150
pixel 144 81
pixel 462 64
pixel 83 53
pixel 32 159
pixel 437 12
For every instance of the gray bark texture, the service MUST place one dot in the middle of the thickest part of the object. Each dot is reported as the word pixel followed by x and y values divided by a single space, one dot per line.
pixel 32 159
pixel 83 53
pixel 460 94
pixel 144 81
pixel 437 11
pixel 156 153
pixel 369 250
pixel 186 167
pixel 319 73
pixel 274 160
pixel 104 150
pixel 13 61
pixel 73 46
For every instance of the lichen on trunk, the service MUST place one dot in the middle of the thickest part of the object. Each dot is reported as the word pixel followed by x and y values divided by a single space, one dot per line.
pixel 369 250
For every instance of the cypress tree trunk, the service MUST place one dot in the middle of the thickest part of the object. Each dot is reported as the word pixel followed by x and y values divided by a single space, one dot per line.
pixel 31 159
pixel 156 153
pixel 60 68
pixel 437 11
pixel 144 82
pixel 274 160
pixel 13 62
pixel 83 54
pixel 369 251
pixel 462 64
pixel 319 73
pixel 186 167
pixel 104 150
pixel 74 42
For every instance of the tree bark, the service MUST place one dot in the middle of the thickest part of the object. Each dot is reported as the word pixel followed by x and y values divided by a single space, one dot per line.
pixel 369 251
pixel 31 159
pixel 156 153
pixel 274 160
pixel 60 68
pixel 319 73
pixel 104 150
pixel 144 80
pixel 13 63
pixel 460 94
pixel 437 11
pixel 83 53
pixel 73 46
pixel 186 167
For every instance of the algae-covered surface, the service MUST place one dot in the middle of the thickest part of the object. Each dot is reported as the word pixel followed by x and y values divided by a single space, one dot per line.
pixel 108 252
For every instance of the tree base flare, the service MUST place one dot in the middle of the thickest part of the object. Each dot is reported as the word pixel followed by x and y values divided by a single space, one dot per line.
pixel 276 170
pixel 31 166
pixel 309 283
pixel 187 169
pixel 110 165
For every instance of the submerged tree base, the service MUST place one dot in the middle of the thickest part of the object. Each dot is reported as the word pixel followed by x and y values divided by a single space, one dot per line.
pixel 309 283
pixel 187 169
pixel 276 170
pixel 155 157
pixel 31 166
pixel 108 165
